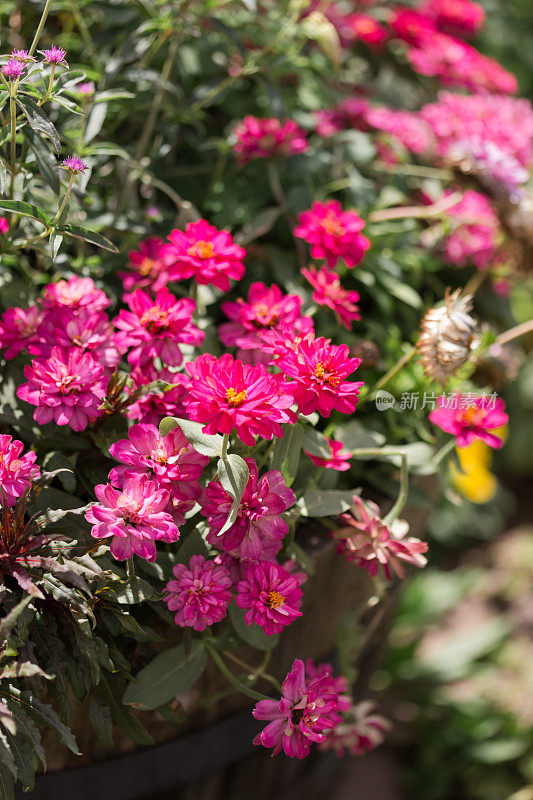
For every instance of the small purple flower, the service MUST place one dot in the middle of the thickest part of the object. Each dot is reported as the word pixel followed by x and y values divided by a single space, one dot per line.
pixel 13 69
pixel 200 593
pixel 55 55
pixel 74 165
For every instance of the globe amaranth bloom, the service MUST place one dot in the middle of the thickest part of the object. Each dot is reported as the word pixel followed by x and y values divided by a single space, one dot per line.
pixel 264 138
pixel 332 233
pixel 133 516
pixel 17 471
pixel 4 225
pixel 329 292
pixel 258 529
pixel 88 330
pixel 18 328
pixel 266 308
pixel 319 370
pixel 204 253
pixel 75 293
pixel 366 541
pixel 155 404
pixel 170 460
pixel 68 387
pixel 155 328
pixel 270 596
pixel 226 394
pixel 147 269
pixel 199 594
pixel 470 418
pixel 339 458
pixel 22 55
pixel 54 55
pixel 13 69
pixel 299 718
pixel 359 731
pixel 74 165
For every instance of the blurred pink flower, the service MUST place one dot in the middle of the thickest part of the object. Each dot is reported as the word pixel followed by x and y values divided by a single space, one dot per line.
pixel 17 471
pixel 329 292
pixel 360 731
pixel 147 269
pixel 339 459
pixel 18 328
pixel 75 293
pixel 470 418
pixel 264 138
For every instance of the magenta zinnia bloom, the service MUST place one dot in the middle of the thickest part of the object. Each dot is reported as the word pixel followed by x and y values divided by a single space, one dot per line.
pixel 319 371
pixel 366 541
pixel 339 458
pixel 17 471
pixel 75 293
pixel 475 231
pixel 226 394
pixel 360 731
pixel 18 328
pixel 349 113
pixel 147 267
pixel 54 55
pixel 68 387
pixel 13 69
pixel 329 292
pixel 299 718
pixel 264 138
pixel 259 528
pixel 267 308
pixel 74 165
pixel 270 596
pixel 4 225
pixel 90 331
pixel 367 29
pixel 333 233
pixel 154 328
pixel 470 419
pixel 133 516
pixel 151 407
pixel 456 17
pixel 200 593
pixel 204 253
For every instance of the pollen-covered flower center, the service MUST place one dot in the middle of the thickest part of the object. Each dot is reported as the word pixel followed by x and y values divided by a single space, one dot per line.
pixel 235 398
pixel 265 317
pixel 146 266
pixel 65 384
pixel 472 415
pixel 332 225
pixel 201 249
pixel 275 600
pixel 129 509
pixel 323 374
pixel 154 320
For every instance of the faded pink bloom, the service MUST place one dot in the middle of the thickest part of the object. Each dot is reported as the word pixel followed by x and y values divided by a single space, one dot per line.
pixel 349 113
pixel 329 292
pixel 367 29
pixel 339 459
pixel 18 328
pixel 470 418
pixel 151 407
pixel 68 387
pixel 366 541
pixel 86 89
pixel 88 330
pixel 199 594
pixel 264 138
pixel 267 308
pixel 54 55
pixel 155 328
pixel 332 233
pixel 259 528
pixel 270 596
pixel 204 253
pixel 17 471
pixel 405 127
pixel 456 17
pixel 299 718
pixel 319 371
pixel 331 683
pixel 475 231
pixel 133 516
pixel 74 165
pixel 226 394
pixel 147 267
pixel 75 293
pixel 360 731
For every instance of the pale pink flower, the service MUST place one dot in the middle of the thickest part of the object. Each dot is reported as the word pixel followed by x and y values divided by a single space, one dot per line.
pixel 270 596
pixel 348 113
pixel 17 471
pixel 264 138
pixel 405 127
pixel 22 55
pixel 18 328
pixel 75 293
pixel 360 731
pixel 199 594
pixel 471 418
pixel 332 233
pixel 339 458
pixel 329 292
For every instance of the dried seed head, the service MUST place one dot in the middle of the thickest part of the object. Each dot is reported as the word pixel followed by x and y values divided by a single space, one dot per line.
pixel 447 336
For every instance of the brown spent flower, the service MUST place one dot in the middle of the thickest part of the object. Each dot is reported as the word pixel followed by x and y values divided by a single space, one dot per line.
pixel 447 335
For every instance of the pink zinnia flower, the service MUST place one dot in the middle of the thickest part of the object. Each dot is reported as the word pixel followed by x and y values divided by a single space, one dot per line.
pixel 226 394
pixel 283 339
pixel 74 165
pixel 4 225
pixel 299 718
pixel 270 596
pixel 329 292
pixel 333 233
pixel 456 17
pixel 199 594
pixel 319 371
pixel 367 29
pixel 155 328
pixel 18 328
pixel 88 330
pixel 54 55
pixel 360 731
pixel 17 471
pixel 266 308
pixel 68 387
pixel 152 406
pixel 259 527
pixel 133 516
pixel 331 683
pixel 349 113
pixel 204 253
pixel 470 419
pixel 475 231
pixel 264 138
pixel 13 69
pixel 366 541
pixel 404 127
pixel 75 293
pixel 147 267
pixel 339 459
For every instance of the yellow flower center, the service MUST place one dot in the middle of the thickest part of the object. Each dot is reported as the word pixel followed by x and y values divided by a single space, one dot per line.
pixel 145 267
pixel 235 398
pixel 472 415
pixel 331 225
pixel 154 320
pixel 275 599
pixel 201 249
pixel 322 374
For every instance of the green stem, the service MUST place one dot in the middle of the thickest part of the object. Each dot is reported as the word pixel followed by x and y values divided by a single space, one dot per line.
pixel 441 454
pixel 398 506
pixel 405 359
pixel 48 92
pixel 213 652
pixel 255 672
pixel 13 118
pixel 225 442
pixel 275 184
pixel 65 199
pixel 40 27
pixel 130 568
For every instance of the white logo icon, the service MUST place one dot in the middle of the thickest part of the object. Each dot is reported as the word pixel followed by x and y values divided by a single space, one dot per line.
pixel 384 400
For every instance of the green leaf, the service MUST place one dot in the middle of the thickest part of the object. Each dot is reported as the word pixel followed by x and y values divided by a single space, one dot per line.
pixel 95 121
pixel 233 474
pixel 54 242
pixel 323 503
pixel 355 436
pixel 251 634
pixel 107 689
pixel 38 121
pixel 169 674
pixel 25 210
pixel 10 620
pixel 260 225
pixel 287 451
pixel 316 443
pixel 204 443
pixel 135 591
pixel 100 719
pixel 88 236
pixel 44 159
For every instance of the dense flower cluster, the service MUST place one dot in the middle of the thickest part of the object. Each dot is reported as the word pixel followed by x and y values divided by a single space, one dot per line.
pixel 199 594
pixel 264 138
